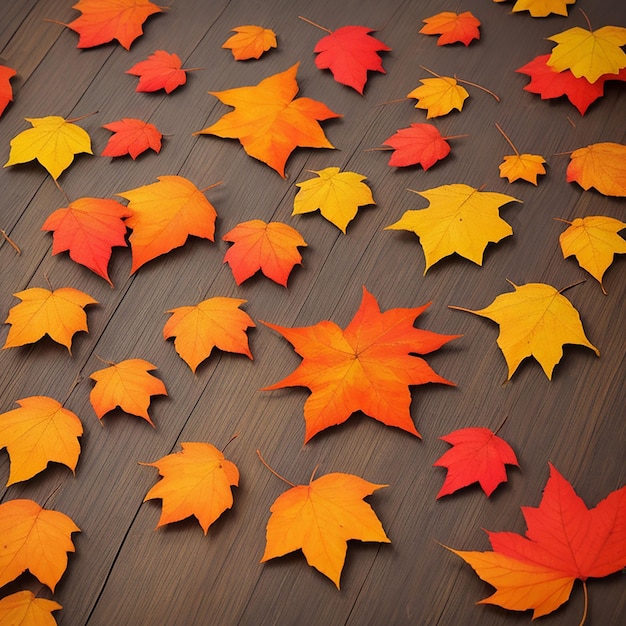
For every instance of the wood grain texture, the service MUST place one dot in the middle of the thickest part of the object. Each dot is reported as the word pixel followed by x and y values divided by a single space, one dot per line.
pixel 125 572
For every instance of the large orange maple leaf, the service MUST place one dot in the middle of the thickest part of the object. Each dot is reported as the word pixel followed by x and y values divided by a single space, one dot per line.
pixel 367 367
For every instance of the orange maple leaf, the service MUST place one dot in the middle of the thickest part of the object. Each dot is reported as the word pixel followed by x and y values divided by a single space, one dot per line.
pixel 214 323
pixel 58 314
pixel 23 607
pixel 250 42
pixel 452 27
pixel 34 539
pixel 599 165
pixel 367 367
pixel 6 93
pixel 40 431
pixel 131 136
pixel 270 247
pixel 161 70
pixel 127 384
pixel 196 481
pixel 268 122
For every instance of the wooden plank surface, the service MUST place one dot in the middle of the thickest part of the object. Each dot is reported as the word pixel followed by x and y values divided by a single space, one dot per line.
pixel 125 572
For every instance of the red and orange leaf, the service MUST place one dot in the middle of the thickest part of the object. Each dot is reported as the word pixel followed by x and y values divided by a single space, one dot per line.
pixel 478 455
pixel 34 539
pixel 164 214
pixel 419 144
pixel 131 136
pixel 349 52
pixel 250 42
pixel 39 432
pixel 452 27
pixel 601 166
pixel 58 314
pixel 214 323
pixel 88 229
pixel 320 518
pixel 24 608
pixel 270 247
pixel 161 70
pixel 564 541
pixel 367 367
pixel 104 20
pixel 268 122
pixel 127 384
pixel 196 481
pixel 6 92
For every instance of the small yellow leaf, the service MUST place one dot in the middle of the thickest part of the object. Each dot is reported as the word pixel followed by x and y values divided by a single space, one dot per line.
pixel 524 166
pixel 439 96
pixel 542 8
pixel 23 608
pixel 250 42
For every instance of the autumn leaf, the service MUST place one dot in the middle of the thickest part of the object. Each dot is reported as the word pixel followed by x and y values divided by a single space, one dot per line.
pixel 535 320
pixel 161 70
pixel 521 166
pixel 6 92
pixel 52 140
pixel 599 165
pixel 40 431
pixel 320 518
pixel 589 53
pixel 214 323
pixel 338 196
pixel 477 455
pixel 104 20
pixel 23 608
pixel 593 240
pixel 418 144
pixel 34 539
pixel 131 136
pixel 367 367
pixel 542 8
pixel 564 541
pixel 268 122
pixel 127 384
pixel 452 27
pixel 58 314
pixel 439 95
pixel 459 219
pixel 196 481
pixel 164 214
pixel 88 228
pixel 250 42
pixel 270 247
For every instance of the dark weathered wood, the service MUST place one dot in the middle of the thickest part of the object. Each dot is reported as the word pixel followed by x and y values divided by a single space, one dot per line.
pixel 123 572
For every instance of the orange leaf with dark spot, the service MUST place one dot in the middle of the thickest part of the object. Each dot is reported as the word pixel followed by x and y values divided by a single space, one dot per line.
pixel 161 70
pixel 131 136
pixel 419 144
pixel 6 92
pixel 452 27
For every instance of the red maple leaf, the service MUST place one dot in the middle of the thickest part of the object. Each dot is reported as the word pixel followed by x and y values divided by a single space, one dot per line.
pixel 349 52
pixel 131 136
pixel 6 93
pixel 478 455
pixel 161 70
pixel 452 27
pixel 549 83
pixel 419 144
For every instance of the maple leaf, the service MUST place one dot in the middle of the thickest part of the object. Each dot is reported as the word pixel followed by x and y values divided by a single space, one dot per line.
pixel 214 323
pixel 58 314
pixel 104 20
pixel 524 166
pixel 40 431
pixel 24 608
pixel 320 518
pixel 338 196
pixel 564 541
pixel 367 367
pixel 52 140
pixel 439 95
pixel 6 92
pixel 452 27
pixel 161 70
pixel 268 122
pixel 349 52
pixel 459 219
pixel 196 481
pixel 589 53
pixel 127 384
pixel 164 214
pixel 131 136
pixel 270 247
pixel 477 455
pixel 89 228
pixel 599 165
pixel 542 8
pixel 535 320
pixel 34 539
pixel 250 42
pixel 593 240
pixel 418 144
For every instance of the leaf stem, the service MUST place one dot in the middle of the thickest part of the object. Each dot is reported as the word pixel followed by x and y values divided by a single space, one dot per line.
pixel 465 82
pixel 81 117
pixel 580 282
pixel 560 219
pixel 230 441
pixel 10 241
pixel 508 140
pixel 460 308
pixel 497 430
pixel 51 21
pixel 211 186
pixel 586 18
pixel 308 21
pixel 75 382
pixel 67 199
pixel 456 136
pixel 313 473
pixel 271 469
pixel 586 595
pixel 380 104
pixel 110 363
pixel 430 71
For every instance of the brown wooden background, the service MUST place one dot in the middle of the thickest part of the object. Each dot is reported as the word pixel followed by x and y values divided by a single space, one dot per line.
pixel 126 573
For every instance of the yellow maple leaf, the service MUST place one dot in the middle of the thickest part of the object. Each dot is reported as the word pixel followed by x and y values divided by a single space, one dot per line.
pixel 58 314
pixel 250 42
pixel 24 608
pixel 524 166
pixel 589 53
pixel 535 320
pixel 52 140
pixel 439 95
pixel 337 195
pixel 542 8
pixel 593 240
pixel 599 165
pixel 459 219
